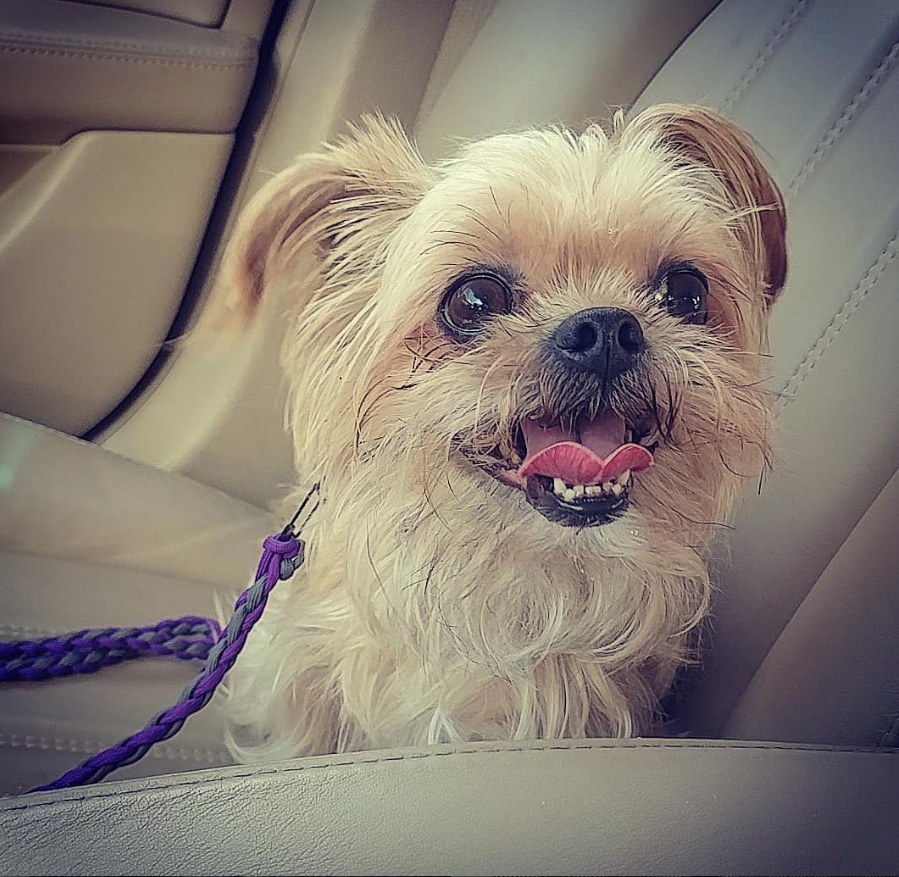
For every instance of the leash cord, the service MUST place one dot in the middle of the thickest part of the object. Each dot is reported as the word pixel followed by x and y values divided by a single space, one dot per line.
pixel 282 555
pixel 86 651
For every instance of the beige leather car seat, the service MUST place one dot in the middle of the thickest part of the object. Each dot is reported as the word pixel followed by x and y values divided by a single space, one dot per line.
pixel 786 766
pixel 798 655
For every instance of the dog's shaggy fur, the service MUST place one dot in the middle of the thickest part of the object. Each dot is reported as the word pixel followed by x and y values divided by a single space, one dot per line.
pixel 445 596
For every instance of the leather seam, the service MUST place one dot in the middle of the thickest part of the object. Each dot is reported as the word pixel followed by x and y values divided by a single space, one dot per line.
pixel 386 759
pixel 834 327
pixel 11 633
pixel 112 43
pixel 797 10
pixel 82 746
pixel 843 121
pixel 107 56
pixel 872 275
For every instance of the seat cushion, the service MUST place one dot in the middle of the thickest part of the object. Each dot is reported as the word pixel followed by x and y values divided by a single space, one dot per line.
pixel 89 539
pixel 574 807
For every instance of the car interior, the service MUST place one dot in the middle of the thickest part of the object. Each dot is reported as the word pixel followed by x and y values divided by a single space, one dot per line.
pixel 143 454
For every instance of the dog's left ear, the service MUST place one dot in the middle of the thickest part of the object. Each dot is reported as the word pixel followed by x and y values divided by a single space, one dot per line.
pixel 705 137
pixel 341 202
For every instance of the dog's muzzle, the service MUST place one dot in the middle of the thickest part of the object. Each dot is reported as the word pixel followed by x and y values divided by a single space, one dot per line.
pixel 575 461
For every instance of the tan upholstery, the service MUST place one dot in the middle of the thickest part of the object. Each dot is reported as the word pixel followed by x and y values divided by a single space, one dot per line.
pixel 206 12
pixel 89 539
pixel 831 675
pixel 67 67
pixel 595 807
pixel 804 644
pixel 116 127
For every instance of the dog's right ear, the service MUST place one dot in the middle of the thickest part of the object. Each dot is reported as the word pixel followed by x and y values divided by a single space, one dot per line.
pixel 347 197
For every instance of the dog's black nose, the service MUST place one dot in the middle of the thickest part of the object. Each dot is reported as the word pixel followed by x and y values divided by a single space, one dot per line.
pixel 605 341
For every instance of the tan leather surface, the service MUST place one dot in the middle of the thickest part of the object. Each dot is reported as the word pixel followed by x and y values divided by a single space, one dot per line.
pixel 204 12
pixel 583 807
pixel 89 539
pixel 334 60
pixel 89 294
pixel 816 83
pixel 507 64
pixel 70 67
pixel 833 674
pixel 100 508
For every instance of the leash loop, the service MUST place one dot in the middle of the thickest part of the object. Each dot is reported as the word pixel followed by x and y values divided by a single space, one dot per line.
pixel 282 554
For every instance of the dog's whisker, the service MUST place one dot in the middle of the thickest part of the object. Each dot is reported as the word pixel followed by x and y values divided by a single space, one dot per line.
pixel 506 217
pixel 456 233
pixel 451 242
pixel 473 215
pixel 366 404
pixel 720 525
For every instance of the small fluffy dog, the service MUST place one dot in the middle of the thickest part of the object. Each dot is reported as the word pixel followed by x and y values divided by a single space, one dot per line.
pixel 530 382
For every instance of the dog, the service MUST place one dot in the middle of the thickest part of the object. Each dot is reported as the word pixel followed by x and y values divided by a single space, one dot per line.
pixel 531 382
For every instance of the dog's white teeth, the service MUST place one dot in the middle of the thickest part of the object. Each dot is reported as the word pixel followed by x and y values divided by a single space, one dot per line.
pixel 572 492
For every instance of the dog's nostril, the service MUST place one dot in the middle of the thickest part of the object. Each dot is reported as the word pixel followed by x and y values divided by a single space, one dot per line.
pixel 630 335
pixel 577 336
pixel 606 341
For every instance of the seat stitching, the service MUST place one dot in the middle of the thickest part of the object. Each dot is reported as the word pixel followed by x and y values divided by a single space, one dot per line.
pixel 795 13
pixel 12 632
pixel 63 43
pixel 869 280
pixel 839 321
pixel 85 746
pixel 100 55
pixel 415 756
pixel 842 123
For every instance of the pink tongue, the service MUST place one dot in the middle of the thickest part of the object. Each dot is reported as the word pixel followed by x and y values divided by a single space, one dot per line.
pixel 597 454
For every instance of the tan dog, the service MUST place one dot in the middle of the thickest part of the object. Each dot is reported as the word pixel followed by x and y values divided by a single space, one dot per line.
pixel 530 382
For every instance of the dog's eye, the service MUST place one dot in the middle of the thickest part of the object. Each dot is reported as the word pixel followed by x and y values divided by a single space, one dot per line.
pixel 469 302
pixel 684 295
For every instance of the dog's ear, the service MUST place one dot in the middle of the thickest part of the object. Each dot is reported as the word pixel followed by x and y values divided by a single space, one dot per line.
pixel 705 137
pixel 362 185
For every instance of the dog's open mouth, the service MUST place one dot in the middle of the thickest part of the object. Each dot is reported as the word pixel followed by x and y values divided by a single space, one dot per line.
pixel 577 475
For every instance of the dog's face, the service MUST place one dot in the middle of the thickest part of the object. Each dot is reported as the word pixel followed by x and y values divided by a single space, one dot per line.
pixel 557 331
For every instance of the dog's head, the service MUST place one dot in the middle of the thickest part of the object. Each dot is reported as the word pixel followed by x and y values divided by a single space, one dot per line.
pixel 564 329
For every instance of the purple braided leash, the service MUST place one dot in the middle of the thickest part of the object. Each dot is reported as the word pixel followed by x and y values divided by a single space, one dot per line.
pixel 86 651
pixel 282 555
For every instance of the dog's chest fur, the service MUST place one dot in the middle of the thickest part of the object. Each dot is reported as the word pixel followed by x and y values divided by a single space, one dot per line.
pixel 426 626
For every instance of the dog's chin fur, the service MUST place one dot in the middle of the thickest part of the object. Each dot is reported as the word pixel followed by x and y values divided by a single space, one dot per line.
pixel 437 604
